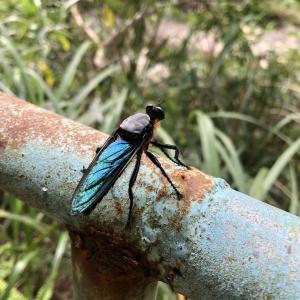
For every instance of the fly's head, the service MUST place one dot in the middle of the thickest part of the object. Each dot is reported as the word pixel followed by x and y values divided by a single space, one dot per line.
pixel 155 113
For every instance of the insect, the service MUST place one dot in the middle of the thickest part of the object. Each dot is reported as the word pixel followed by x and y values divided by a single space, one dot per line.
pixel 132 138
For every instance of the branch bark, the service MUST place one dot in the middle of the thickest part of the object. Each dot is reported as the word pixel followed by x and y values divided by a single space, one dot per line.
pixel 216 243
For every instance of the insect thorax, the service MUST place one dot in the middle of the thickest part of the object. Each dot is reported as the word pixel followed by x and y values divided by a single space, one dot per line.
pixel 135 123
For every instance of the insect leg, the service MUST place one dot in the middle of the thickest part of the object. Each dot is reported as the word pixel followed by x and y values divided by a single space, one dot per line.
pixel 171 147
pixel 83 170
pixel 167 155
pixel 98 150
pixel 131 183
pixel 157 163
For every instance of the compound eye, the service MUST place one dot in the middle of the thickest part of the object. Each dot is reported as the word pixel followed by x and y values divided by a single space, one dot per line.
pixel 160 113
pixel 149 109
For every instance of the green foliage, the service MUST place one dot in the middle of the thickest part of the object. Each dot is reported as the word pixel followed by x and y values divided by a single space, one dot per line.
pixel 46 291
pixel 236 107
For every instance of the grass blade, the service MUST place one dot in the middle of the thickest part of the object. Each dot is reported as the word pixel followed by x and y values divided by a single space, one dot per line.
pixel 46 291
pixel 43 85
pixel 248 119
pixel 294 204
pixel 111 118
pixel 236 116
pixel 164 292
pixel 5 89
pixel 283 122
pixel 71 69
pixel 276 169
pixel 14 293
pixel 164 136
pixel 208 144
pixel 6 69
pixel 256 186
pixel 23 219
pixel 231 159
pixel 16 273
pixel 19 62
pixel 89 87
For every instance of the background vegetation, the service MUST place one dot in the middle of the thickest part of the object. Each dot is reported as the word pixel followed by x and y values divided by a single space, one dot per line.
pixel 227 71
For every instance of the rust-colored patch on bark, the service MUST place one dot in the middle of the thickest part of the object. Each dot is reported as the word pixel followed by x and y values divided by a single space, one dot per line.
pixel 107 260
pixel 118 207
pixel 111 257
pixel 157 176
pixel 193 184
pixel 3 143
pixel 22 122
pixel 162 191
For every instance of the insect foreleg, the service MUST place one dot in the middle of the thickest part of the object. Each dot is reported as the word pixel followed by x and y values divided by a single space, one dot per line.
pixel 157 163
pixel 131 183
pixel 171 147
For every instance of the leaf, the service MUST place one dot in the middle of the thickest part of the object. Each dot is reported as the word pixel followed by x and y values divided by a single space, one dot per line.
pixel 108 16
pixel 19 62
pixel 285 121
pixel 257 183
pixel 231 158
pixel 64 42
pixel 43 85
pixel 16 273
pixel 206 131
pixel 164 136
pixel 93 115
pixel 23 219
pixel 69 74
pixel 88 88
pixel 46 291
pixel 164 292
pixel 29 6
pixel 5 89
pixel 235 115
pixel 14 293
pixel 276 169
pixel 294 204
pixel 111 118
pixel 280 164
pixel 248 119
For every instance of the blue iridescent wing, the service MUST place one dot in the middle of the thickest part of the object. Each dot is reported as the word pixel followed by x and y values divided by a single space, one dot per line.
pixel 102 174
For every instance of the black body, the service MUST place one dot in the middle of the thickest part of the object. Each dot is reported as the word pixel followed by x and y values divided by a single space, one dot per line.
pixel 137 130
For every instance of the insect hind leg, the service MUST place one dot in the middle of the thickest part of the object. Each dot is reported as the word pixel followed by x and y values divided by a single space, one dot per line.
pixel 158 164
pixel 163 148
pixel 131 184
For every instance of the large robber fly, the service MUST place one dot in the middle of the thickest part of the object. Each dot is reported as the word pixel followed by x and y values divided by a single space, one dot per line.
pixel 131 139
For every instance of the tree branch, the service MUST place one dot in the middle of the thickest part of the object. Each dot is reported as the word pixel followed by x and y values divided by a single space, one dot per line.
pixel 216 243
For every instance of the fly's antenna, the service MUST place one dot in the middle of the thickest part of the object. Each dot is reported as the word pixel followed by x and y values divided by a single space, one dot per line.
pixel 161 102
